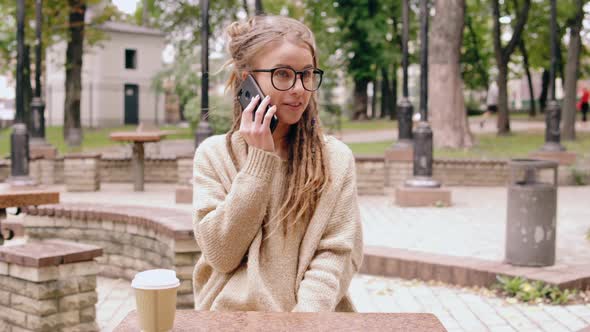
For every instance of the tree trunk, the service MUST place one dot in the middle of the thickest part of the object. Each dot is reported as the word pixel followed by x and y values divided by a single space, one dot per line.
pixel 359 109
pixel 572 69
pixel 374 99
pixel 393 103
pixel 259 9
pixel 73 84
pixel 502 55
pixel 27 89
pixel 503 123
pixel 525 57
pixel 544 89
pixel 445 85
pixel 245 6
pixel 385 92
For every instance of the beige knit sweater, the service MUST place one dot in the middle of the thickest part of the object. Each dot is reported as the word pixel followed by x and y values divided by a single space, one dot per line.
pixel 309 269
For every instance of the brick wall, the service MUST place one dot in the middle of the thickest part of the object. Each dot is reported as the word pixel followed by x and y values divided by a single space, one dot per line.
pixel 161 170
pixel 131 243
pixel 185 170
pixel 376 176
pixel 83 172
pixel 370 174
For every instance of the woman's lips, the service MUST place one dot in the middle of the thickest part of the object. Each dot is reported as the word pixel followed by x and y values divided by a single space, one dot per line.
pixel 293 105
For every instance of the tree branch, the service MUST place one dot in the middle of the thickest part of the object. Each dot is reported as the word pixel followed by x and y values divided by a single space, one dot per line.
pixel 518 28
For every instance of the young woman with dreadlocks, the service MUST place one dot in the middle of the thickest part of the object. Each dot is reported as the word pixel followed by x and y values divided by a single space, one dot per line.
pixel 275 213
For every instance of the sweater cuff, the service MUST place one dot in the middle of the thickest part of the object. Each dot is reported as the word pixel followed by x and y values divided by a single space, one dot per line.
pixel 260 163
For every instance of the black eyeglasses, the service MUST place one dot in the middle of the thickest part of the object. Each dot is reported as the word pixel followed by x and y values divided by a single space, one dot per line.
pixel 284 78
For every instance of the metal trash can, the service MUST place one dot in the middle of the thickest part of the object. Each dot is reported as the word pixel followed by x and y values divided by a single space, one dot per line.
pixel 531 214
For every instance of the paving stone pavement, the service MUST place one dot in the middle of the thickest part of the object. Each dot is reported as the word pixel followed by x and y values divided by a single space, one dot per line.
pixel 473 226
pixel 464 309
pixel 115 301
pixel 458 309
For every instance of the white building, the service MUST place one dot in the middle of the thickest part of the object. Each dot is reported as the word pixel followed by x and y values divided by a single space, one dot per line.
pixel 116 78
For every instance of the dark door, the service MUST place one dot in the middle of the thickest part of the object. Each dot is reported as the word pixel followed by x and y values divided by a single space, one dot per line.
pixel 131 104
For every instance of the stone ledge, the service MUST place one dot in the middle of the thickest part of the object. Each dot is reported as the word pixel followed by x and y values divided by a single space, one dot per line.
pixel 169 222
pixel 83 156
pixel 465 271
pixel 414 197
pixel 27 197
pixel 48 253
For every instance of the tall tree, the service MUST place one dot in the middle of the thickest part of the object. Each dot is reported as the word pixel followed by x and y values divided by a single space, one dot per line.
pixel 445 85
pixel 572 70
pixel 502 54
pixel 364 27
pixel 527 69
pixel 259 8
pixel 73 84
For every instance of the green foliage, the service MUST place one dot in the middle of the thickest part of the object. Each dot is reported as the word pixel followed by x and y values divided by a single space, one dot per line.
pixel 55 26
pixel 477 54
pixel 220 113
pixel 533 291
pixel 488 146
pixel 580 176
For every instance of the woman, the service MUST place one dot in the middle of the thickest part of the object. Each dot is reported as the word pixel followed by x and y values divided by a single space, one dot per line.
pixel 275 214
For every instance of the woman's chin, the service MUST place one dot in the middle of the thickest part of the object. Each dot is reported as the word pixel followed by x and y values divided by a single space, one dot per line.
pixel 290 119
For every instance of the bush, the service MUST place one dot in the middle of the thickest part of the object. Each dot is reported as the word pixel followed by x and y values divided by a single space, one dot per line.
pixel 533 291
pixel 220 113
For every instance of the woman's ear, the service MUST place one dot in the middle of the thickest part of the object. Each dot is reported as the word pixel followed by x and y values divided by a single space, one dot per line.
pixel 244 74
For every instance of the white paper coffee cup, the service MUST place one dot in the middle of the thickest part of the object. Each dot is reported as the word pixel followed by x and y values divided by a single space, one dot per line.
pixel 155 297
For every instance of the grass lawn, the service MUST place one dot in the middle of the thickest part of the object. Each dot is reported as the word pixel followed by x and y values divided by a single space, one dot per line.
pixel 93 138
pixel 488 146
pixel 368 125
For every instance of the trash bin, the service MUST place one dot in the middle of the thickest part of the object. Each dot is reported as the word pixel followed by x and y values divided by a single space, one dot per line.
pixel 531 214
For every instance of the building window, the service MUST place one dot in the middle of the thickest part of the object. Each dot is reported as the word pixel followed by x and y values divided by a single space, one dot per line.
pixel 130 59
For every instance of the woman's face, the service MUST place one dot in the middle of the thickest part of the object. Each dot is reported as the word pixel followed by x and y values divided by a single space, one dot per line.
pixel 291 103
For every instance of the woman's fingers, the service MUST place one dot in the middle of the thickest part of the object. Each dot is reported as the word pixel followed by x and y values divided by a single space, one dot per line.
pixel 259 115
pixel 247 113
pixel 268 117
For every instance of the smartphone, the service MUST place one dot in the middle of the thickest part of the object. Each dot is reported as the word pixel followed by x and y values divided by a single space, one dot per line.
pixel 248 90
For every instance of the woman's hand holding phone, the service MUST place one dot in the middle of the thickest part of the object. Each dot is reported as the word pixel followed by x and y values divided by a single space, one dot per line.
pixel 256 128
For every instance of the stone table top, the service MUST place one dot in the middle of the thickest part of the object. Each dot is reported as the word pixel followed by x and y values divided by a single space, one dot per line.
pixel 191 320
pixel 17 198
pixel 48 253
pixel 138 136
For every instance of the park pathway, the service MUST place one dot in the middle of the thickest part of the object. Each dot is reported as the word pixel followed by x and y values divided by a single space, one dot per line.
pixel 473 226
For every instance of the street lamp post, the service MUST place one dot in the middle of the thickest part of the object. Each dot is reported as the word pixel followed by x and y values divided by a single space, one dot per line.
pixel 37 104
pixel 19 138
pixel 552 109
pixel 405 108
pixel 204 129
pixel 422 167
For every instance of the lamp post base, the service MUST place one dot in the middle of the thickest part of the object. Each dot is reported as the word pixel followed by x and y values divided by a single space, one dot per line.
pixel 203 131
pixel 422 182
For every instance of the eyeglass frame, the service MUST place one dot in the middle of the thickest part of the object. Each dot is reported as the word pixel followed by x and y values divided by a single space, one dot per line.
pixel 300 73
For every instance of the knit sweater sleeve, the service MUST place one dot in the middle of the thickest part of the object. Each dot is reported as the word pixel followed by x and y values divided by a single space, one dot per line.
pixel 225 222
pixel 338 256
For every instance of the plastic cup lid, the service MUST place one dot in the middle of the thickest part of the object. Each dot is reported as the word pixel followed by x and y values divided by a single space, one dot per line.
pixel 155 279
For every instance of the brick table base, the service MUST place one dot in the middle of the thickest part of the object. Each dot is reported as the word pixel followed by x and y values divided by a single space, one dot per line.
pixel 48 286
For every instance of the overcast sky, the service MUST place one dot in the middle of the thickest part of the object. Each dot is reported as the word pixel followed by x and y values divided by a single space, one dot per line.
pixel 126 6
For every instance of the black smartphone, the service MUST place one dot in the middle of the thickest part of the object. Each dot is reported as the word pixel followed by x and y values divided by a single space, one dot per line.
pixel 248 90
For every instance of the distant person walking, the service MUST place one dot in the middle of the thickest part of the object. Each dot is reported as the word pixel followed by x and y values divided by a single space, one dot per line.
pixel 584 104
pixel 491 102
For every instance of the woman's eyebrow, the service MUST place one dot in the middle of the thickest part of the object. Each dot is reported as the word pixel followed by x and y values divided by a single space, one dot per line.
pixel 284 65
